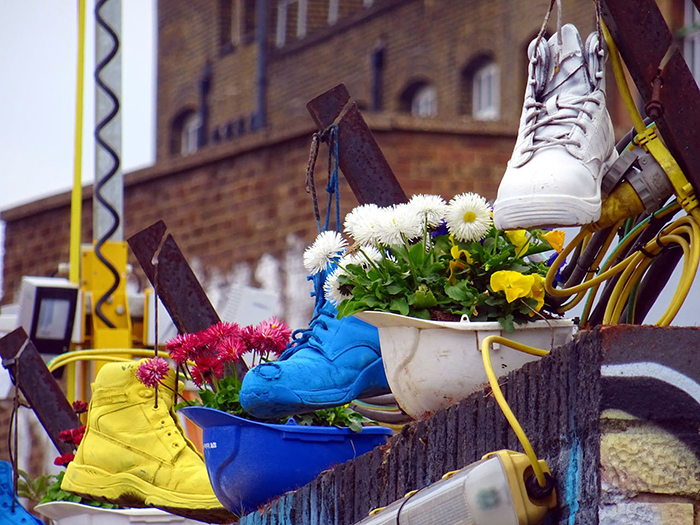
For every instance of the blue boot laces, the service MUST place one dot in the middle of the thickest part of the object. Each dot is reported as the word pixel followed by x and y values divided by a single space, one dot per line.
pixel 303 337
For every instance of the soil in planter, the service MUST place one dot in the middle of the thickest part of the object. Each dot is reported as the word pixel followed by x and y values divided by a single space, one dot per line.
pixel 440 315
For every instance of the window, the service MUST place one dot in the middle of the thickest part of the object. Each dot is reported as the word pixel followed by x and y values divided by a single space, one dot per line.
pixel 691 40
pixel 424 103
pixel 333 11
pixel 229 23
pixel 184 132
pixel 236 23
pixel 248 17
pixel 291 19
pixel 188 136
pixel 486 92
pixel 420 99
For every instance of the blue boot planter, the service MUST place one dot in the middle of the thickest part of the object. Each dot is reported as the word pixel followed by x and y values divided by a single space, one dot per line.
pixel 7 516
pixel 250 462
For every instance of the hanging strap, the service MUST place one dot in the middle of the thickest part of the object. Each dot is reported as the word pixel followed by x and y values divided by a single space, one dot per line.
pixel 329 136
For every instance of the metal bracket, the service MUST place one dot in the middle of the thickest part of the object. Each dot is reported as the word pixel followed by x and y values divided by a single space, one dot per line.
pixel 362 162
pixel 645 43
pixel 38 386
pixel 177 286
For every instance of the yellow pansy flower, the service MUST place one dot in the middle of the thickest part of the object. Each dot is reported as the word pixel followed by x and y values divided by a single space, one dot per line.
pixel 555 238
pixel 460 255
pixel 514 284
pixel 520 241
pixel 455 266
pixel 537 292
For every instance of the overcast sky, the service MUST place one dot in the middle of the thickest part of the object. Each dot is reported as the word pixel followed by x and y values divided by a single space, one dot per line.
pixel 38 58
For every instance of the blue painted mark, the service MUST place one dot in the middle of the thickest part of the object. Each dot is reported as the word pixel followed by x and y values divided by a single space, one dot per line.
pixel 572 480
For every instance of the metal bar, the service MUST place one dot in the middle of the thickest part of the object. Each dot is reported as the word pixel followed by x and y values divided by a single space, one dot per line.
pixel 361 160
pixel 644 40
pixel 29 373
pixel 177 286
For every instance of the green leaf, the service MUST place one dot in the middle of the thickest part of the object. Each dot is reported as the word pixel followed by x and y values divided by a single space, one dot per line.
pixel 417 255
pixel 400 305
pixel 424 298
pixel 507 323
pixel 459 292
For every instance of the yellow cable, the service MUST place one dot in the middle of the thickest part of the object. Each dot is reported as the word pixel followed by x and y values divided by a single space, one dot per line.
pixel 633 268
pixel 97 354
pixel 503 404
pixel 594 289
pixel 637 120
pixel 594 264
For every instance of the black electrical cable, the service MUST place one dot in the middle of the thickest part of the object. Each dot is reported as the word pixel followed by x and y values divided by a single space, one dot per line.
pixel 654 281
pixel 115 166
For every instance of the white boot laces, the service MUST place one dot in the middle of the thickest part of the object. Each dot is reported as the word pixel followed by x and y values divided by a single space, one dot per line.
pixel 540 116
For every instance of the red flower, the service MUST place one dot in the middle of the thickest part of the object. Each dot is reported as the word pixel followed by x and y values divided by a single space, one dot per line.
pixel 66 436
pixel 218 332
pixel 206 368
pixel 197 376
pixel 78 434
pixel 73 436
pixel 183 347
pixel 153 371
pixel 63 460
pixel 271 337
pixel 231 349
pixel 80 407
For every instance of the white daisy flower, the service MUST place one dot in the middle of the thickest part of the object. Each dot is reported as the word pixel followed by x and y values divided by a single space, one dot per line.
pixel 468 217
pixel 361 223
pixel 327 247
pixel 396 222
pixel 362 257
pixel 352 258
pixel 430 207
pixel 370 252
pixel 332 288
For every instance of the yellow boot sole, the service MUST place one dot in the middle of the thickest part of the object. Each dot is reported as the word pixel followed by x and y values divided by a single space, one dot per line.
pixel 130 491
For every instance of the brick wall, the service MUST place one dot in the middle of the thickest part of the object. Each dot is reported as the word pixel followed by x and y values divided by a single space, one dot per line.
pixel 232 206
pixel 424 40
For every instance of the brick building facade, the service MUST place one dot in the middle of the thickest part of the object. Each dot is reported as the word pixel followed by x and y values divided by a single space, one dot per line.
pixel 439 82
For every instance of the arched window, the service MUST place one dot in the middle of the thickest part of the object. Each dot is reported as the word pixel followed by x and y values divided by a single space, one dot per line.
pixel 291 20
pixel 184 133
pixel 420 99
pixel 480 92
pixel 486 93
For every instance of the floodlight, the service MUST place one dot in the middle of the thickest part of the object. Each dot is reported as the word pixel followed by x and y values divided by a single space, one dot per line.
pixel 498 490
pixel 47 312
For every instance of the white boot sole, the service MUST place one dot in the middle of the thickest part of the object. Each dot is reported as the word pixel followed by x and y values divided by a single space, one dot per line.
pixel 538 211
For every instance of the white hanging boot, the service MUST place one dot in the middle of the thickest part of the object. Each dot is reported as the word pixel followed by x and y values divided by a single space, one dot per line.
pixel 565 142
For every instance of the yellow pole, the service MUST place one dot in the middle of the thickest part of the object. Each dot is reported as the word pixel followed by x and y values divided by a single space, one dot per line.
pixel 77 194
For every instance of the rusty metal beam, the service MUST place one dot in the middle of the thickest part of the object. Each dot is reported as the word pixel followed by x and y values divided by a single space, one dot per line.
pixel 177 286
pixel 644 40
pixel 28 371
pixel 362 162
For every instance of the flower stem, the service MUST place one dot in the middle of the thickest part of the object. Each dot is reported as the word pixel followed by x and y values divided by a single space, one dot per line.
pixel 414 272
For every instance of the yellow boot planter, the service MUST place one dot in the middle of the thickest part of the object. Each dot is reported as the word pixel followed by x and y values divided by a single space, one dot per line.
pixel 134 452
